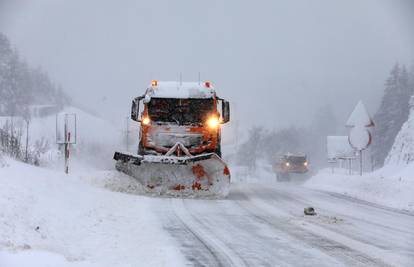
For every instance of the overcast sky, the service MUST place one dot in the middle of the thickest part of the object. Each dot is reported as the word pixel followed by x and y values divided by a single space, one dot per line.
pixel 276 61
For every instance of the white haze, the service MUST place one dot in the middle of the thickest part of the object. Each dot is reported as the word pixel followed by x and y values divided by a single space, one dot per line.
pixel 276 61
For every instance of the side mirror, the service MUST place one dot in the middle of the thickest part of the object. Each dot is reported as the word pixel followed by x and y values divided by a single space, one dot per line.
pixel 226 111
pixel 135 109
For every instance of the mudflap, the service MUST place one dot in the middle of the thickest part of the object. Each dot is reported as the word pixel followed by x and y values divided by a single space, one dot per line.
pixel 191 176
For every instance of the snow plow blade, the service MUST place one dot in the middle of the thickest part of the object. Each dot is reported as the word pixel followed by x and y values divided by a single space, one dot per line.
pixel 190 176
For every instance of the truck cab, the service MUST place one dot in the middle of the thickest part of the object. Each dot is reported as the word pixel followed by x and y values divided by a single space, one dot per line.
pixel 179 119
pixel 290 163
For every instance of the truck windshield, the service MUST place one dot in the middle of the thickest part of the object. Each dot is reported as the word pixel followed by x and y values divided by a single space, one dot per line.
pixel 180 111
pixel 296 159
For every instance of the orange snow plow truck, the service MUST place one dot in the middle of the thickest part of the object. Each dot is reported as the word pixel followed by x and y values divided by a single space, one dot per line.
pixel 179 150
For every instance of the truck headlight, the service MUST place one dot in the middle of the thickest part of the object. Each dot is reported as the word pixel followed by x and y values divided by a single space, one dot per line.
pixel 305 163
pixel 146 121
pixel 287 164
pixel 213 122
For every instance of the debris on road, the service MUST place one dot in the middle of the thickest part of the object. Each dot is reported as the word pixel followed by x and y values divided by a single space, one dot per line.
pixel 309 211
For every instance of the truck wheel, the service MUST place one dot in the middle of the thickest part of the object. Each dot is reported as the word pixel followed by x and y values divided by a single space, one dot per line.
pixel 282 177
pixel 141 150
pixel 287 177
pixel 218 149
pixel 279 177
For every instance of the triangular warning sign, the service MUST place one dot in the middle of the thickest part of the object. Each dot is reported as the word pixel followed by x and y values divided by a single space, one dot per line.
pixel 360 117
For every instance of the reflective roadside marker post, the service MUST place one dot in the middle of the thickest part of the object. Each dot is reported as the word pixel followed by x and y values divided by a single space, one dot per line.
pixel 65 126
pixel 339 150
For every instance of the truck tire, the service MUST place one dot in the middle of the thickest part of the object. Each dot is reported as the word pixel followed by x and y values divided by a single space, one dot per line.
pixel 282 177
pixel 141 150
pixel 218 148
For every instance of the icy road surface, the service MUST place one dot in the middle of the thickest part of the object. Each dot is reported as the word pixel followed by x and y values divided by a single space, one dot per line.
pixel 261 225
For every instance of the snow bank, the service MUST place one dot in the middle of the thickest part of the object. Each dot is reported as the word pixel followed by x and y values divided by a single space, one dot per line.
pixel 38 259
pixel 391 186
pixel 48 217
pixel 402 152
pixel 90 128
pixel 97 139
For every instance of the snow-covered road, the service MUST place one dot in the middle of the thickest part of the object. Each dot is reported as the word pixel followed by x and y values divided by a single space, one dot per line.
pixel 53 219
pixel 265 226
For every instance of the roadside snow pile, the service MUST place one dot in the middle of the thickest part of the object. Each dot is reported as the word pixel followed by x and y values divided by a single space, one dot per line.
pixel 402 152
pixel 51 219
pixel 91 129
pixel 38 259
pixel 96 138
pixel 390 186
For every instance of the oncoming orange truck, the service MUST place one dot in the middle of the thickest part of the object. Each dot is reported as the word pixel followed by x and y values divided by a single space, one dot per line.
pixel 290 163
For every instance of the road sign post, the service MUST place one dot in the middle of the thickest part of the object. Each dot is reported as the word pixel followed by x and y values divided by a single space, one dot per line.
pixel 359 136
pixel 66 134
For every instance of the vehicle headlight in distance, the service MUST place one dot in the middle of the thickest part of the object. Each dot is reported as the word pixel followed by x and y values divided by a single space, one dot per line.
pixel 213 122
pixel 146 121
pixel 287 164
pixel 305 163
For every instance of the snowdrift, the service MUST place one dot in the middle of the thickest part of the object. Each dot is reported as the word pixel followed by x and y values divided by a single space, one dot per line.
pixel 52 219
pixel 96 139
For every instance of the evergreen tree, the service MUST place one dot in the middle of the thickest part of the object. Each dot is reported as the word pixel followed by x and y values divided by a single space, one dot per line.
pixel 6 54
pixel 249 152
pixel 392 113
pixel 22 86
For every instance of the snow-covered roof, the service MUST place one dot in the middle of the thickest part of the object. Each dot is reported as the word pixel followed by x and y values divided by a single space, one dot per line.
pixel 180 90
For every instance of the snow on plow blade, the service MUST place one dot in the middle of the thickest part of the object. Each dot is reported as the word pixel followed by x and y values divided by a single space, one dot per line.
pixel 190 176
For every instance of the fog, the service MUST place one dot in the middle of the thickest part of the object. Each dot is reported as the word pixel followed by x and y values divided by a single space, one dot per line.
pixel 276 61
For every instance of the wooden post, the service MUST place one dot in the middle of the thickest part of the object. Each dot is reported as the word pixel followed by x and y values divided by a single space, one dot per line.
pixel 67 136
pixel 27 141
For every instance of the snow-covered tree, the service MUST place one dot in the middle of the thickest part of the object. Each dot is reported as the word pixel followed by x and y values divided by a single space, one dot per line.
pixel 250 150
pixel 22 86
pixel 402 152
pixel 392 113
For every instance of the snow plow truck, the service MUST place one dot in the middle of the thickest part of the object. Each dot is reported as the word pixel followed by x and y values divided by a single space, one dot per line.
pixel 290 164
pixel 179 150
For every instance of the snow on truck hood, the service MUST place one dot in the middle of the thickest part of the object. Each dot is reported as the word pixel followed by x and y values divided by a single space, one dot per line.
pixel 180 90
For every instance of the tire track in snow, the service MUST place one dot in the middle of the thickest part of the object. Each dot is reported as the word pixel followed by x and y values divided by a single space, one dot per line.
pixel 381 228
pixel 221 252
pixel 314 238
pixel 366 203
pixel 194 249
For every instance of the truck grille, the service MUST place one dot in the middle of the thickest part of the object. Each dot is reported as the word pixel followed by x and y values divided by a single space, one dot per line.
pixel 170 139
